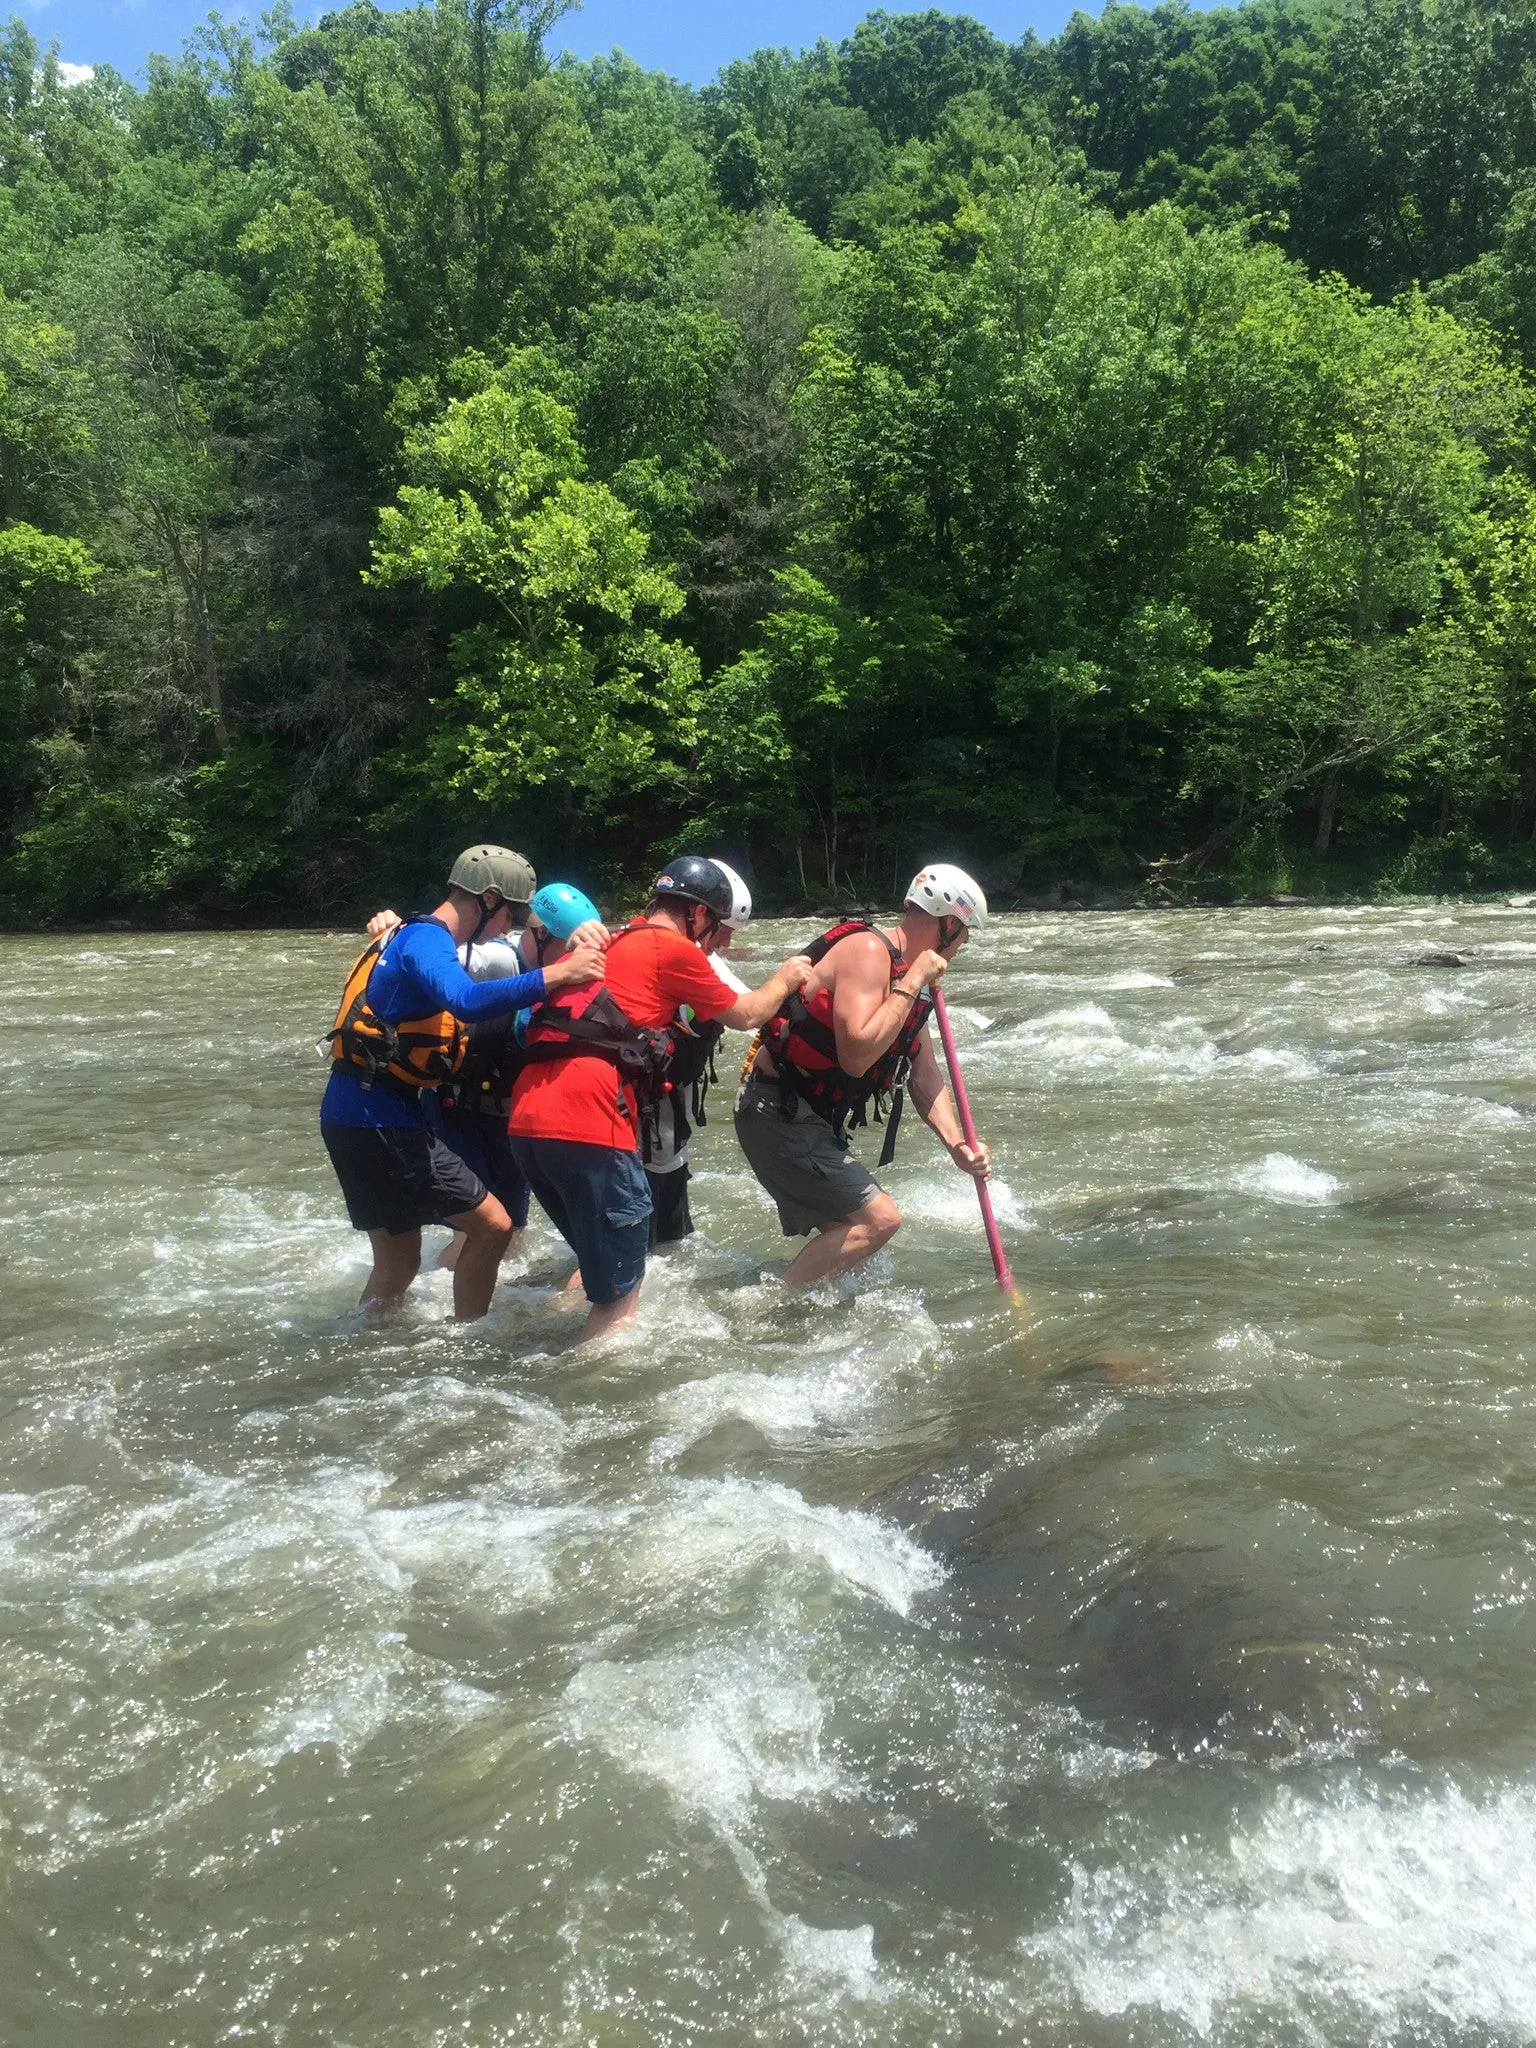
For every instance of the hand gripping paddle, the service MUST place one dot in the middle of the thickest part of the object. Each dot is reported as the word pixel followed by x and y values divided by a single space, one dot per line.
pixel 967 1125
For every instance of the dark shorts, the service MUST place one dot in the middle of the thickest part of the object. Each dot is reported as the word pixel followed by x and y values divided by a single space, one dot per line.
pixel 813 1179
pixel 598 1200
pixel 671 1220
pixel 482 1143
pixel 399 1178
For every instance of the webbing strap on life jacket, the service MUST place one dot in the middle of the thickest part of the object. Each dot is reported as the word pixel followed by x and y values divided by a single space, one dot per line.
pixel 842 1099
pixel 594 1023
pixel 602 1029
pixel 691 1071
pixel 491 1064
pixel 414 1053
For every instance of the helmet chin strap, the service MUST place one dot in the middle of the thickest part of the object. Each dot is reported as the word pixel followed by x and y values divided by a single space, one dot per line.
pixel 485 918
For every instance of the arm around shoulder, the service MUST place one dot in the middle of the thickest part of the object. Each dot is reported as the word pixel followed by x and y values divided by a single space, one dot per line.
pixel 759 1004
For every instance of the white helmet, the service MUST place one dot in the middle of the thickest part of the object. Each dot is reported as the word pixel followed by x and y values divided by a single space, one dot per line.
pixel 944 890
pixel 741 896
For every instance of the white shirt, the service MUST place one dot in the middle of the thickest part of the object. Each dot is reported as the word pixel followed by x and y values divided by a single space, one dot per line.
pixel 492 960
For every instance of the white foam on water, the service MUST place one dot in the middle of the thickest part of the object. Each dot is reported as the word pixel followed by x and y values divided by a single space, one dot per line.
pixel 721 1732
pixel 968 1022
pixel 949 1197
pixel 1277 1177
pixel 441 1420
pixel 841 1959
pixel 1444 1002
pixel 1350 1916
pixel 346 1692
pixel 316 1565
pixel 718 1729
pixel 1125 981
pixel 837 1387
pixel 254 1253
pixel 727 1527
pixel 1268 1059
pixel 1086 1040
pixel 499 1557
pixel 1249 1344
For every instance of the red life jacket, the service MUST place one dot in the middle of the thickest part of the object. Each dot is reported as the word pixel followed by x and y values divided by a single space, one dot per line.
pixel 590 1022
pixel 803 1045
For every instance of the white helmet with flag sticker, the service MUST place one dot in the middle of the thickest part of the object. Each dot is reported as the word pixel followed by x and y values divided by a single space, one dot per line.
pixel 741 896
pixel 944 890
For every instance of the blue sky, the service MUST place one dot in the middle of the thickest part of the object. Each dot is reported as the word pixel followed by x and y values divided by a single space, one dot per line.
pixel 690 38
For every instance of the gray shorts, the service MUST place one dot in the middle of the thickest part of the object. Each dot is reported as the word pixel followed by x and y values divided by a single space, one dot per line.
pixel 813 1178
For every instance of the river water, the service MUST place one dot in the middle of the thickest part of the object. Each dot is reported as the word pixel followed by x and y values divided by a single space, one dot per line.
pixel 1153 1666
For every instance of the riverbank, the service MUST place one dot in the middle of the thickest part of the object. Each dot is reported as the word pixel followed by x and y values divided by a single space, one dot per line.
pixel 1062 902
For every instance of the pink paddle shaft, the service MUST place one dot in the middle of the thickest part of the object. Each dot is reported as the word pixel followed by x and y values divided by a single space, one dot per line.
pixel 962 1103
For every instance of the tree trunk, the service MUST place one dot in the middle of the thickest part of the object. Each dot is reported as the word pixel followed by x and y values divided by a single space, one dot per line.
pixel 1327 811
pixel 194 579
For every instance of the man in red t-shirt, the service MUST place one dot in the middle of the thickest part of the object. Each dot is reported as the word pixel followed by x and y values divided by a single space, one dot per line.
pixel 575 1123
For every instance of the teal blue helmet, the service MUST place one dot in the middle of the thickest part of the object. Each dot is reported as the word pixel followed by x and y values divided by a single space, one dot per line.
pixel 560 908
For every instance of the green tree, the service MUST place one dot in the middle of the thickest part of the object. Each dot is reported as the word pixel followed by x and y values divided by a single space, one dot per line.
pixel 559 678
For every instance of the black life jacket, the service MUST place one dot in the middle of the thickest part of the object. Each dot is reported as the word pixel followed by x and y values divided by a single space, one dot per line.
pixel 803 1045
pixel 690 1070
pixel 493 1059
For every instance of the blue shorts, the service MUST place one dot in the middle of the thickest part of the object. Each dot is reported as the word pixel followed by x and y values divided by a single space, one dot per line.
pixel 482 1143
pixel 600 1202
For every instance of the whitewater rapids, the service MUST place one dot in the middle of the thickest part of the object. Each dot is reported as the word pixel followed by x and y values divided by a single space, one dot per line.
pixel 875 1668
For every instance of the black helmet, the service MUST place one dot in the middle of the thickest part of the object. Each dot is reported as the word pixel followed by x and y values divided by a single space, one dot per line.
pixel 693 879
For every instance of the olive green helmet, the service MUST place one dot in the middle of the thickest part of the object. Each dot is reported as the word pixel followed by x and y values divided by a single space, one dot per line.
pixel 479 868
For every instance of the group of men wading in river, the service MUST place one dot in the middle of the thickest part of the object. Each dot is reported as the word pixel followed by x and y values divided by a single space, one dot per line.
pixel 509 1044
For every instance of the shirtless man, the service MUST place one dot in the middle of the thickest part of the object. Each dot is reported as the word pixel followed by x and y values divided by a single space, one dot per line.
pixel 856 1034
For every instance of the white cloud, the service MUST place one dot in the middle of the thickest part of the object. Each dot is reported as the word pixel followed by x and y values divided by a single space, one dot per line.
pixel 76 74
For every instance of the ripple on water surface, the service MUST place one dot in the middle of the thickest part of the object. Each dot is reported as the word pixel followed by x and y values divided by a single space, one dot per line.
pixel 1153 1664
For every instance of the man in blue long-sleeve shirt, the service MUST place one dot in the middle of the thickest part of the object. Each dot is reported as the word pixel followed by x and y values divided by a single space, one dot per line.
pixel 395 1172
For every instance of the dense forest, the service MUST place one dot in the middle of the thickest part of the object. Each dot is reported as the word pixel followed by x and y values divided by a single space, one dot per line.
pixel 1106 461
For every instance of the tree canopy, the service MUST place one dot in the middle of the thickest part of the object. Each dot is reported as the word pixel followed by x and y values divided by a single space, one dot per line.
pixel 1107 461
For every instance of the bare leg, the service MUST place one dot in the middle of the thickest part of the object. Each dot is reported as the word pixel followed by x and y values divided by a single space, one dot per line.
pixel 448 1257
pixel 396 1262
pixel 600 1320
pixel 486 1231
pixel 845 1244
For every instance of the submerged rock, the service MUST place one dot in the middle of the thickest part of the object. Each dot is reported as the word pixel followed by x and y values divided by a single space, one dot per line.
pixel 1165 1646
pixel 1447 959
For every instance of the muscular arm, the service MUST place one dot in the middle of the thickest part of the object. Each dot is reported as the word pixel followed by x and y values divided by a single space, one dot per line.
pixel 930 1094
pixel 867 1013
pixel 936 1106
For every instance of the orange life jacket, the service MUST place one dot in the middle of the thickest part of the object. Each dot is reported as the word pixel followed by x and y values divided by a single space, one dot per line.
pixel 417 1053
pixel 803 1045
